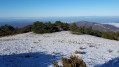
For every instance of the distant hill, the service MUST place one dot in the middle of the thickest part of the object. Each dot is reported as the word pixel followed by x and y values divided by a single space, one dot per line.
pixel 97 26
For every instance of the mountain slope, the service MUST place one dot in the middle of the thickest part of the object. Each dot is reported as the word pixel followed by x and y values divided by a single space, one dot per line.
pixel 99 27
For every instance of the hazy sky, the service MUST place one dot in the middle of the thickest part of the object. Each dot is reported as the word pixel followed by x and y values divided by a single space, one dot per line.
pixel 62 8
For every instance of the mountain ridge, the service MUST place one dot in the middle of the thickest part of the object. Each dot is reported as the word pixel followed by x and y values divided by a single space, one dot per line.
pixel 98 26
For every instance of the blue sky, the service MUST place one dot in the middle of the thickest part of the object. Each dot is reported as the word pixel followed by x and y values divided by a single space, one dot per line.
pixel 58 8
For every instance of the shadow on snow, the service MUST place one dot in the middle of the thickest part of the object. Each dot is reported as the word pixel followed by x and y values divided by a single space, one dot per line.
pixel 112 63
pixel 38 59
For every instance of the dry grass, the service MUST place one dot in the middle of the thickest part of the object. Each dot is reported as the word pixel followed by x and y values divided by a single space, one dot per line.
pixel 109 51
pixel 81 48
pixel 78 52
pixel 118 51
pixel 91 46
pixel 53 52
pixel 73 61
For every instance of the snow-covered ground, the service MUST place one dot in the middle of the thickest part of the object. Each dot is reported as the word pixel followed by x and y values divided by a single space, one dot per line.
pixel 40 50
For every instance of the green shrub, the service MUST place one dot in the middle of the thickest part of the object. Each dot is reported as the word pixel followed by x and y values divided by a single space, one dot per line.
pixel 26 29
pixel 63 26
pixel 73 61
pixel 6 30
pixel 40 27
pixel 108 35
pixel 73 28
pixel 84 30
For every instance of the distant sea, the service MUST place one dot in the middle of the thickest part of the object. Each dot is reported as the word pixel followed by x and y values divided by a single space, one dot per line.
pixel 23 21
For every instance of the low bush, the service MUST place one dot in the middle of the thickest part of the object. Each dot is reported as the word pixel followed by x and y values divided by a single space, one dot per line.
pixel 61 25
pixel 91 46
pixel 40 27
pixel 81 48
pixel 73 61
pixel 78 52
pixel 109 51
pixel 48 27
pixel 88 30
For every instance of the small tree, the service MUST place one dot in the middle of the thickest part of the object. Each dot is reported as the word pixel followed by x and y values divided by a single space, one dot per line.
pixel 64 26
pixel 108 35
pixel 73 27
pixel 38 27
pixel 26 29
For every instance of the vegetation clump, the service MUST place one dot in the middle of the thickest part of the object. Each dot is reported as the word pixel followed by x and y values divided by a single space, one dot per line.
pixel 48 27
pixel 73 61
pixel 81 48
pixel 40 27
pixel 109 51
pixel 78 52
pixel 61 25
pixel 88 30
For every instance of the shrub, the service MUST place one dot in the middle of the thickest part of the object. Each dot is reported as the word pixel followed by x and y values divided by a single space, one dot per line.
pixel 84 30
pixel 91 46
pixel 40 27
pixel 26 29
pixel 73 27
pixel 108 35
pixel 73 61
pixel 53 53
pixel 109 51
pixel 78 52
pixel 63 26
pixel 50 28
pixel 118 51
pixel 81 48
pixel 6 30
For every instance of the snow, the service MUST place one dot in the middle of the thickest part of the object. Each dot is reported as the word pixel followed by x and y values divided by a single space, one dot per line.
pixel 40 50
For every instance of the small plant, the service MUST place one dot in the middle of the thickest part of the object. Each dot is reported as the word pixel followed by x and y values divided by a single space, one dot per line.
pixel 35 42
pixel 53 52
pixel 118 51
pixel 78 52
pixel 109 51
pixel 73 61
pixel 81 48
pixel 91 46
pixel 55 64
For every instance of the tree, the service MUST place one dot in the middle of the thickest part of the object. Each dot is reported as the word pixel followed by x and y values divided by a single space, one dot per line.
pixel 73 27
pixel 6 28
pixel 50 27
pixel 38 27
pixel 26 29
pixel 63 26
pixel 108 35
